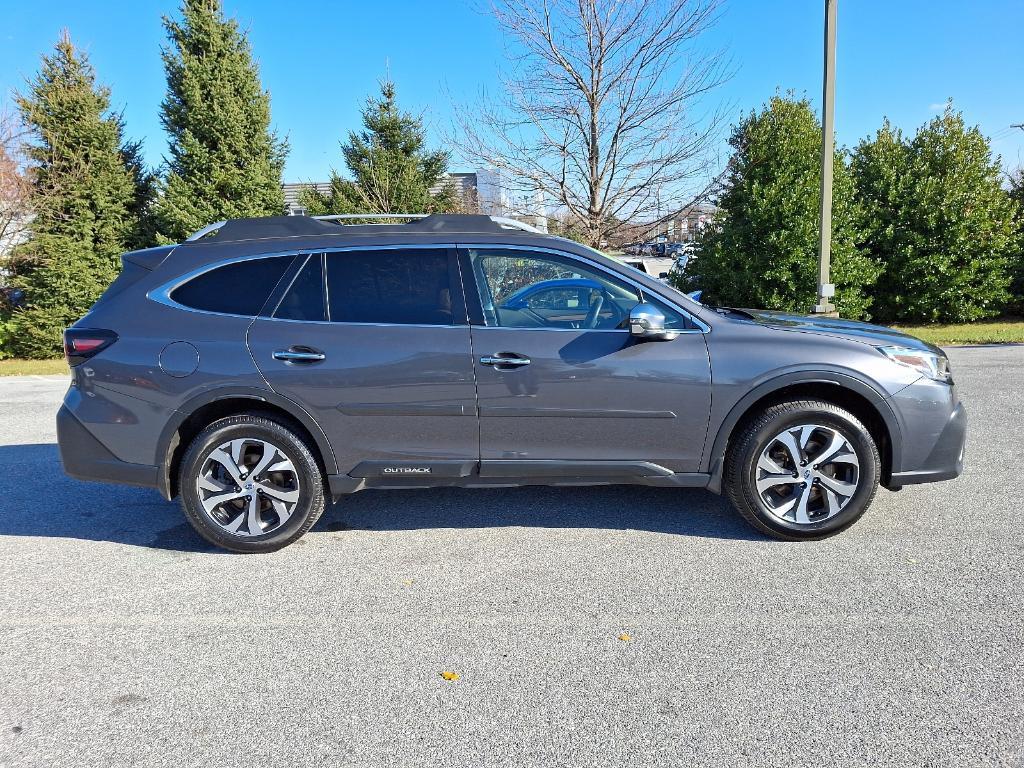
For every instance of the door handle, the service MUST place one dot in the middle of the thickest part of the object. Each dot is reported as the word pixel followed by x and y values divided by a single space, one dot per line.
pixel 501 361
pixel 299 355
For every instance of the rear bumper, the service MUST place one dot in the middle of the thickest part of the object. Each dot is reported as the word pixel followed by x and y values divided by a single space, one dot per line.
pixel 945 457
pixel 84 457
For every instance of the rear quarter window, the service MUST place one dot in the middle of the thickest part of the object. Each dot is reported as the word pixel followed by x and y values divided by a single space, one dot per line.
pixel 238 288
pixel 304 299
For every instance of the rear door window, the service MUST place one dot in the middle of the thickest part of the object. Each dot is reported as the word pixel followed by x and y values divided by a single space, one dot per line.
pixel 401 286
pixel 304 299
pixel 238 288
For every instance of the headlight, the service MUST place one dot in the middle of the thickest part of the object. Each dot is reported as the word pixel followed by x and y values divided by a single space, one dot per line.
pixel 935 367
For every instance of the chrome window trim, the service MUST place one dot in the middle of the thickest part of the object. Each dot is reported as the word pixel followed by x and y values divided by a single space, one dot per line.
pixel 701 328
pixel 161 294
pixel 569 330
pixel 367 325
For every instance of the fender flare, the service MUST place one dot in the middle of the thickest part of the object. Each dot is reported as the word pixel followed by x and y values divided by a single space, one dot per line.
pixel 716 459
pixel 167 443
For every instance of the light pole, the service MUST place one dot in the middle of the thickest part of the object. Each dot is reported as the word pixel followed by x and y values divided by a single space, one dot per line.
pixel 826 290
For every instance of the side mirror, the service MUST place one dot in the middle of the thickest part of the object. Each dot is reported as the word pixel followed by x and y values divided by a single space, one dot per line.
pixel 647 323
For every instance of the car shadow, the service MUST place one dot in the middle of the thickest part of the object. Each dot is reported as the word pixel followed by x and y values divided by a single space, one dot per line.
pixel 45 502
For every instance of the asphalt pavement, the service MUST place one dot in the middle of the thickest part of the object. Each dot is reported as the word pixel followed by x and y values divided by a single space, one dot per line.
pixel 595 626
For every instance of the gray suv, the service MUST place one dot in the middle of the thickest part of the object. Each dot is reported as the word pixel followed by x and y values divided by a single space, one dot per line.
pixel 265 365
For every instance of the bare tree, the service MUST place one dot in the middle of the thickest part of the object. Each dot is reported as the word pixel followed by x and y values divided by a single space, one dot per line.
pixel 601 110
pixel 15 187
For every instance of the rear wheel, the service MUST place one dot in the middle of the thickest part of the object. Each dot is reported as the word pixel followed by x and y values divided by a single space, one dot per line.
pixel 249 483
pixel 803 470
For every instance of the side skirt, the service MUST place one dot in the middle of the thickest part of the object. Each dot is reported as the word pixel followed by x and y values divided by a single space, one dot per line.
pixel 509 474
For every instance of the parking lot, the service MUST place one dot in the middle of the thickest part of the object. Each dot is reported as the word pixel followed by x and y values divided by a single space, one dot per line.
pixel 125 640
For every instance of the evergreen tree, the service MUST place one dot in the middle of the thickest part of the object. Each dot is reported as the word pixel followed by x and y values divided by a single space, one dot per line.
pixel 144 233
pixel 763 250
pixel 88 191
pixel 1017 254
pixel 391 170
pixel 225 162
pixel 938 219
pixel 879 170
pixel 1017 190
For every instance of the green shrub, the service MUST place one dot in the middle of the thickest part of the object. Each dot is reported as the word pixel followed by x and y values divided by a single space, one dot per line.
pixel 1017 253
pixel 763 251
pixel 38 333
pixel 6 338
pixel 938 219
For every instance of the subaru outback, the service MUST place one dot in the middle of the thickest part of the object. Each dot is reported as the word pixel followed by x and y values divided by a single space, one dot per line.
pixel 267 365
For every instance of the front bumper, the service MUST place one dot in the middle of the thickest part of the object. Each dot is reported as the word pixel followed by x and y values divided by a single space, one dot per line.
pixel 935 433
pixel 84 457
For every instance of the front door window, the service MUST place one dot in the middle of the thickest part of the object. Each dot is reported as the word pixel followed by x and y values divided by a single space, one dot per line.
pixel 524 289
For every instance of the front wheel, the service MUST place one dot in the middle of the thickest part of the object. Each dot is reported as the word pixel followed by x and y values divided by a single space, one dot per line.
pixel 802 470
pixel 249 483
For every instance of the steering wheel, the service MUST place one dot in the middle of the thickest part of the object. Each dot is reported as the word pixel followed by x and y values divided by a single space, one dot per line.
pixel 593 315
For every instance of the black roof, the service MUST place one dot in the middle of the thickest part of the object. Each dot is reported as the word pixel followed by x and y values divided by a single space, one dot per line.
pixel 305 226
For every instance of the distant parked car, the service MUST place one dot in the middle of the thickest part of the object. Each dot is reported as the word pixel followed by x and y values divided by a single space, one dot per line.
pixel 659 267
pixel 11 298
pixel 678 249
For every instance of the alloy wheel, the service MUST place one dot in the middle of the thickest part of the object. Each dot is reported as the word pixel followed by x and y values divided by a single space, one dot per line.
pixel 807 474
pixel 248 487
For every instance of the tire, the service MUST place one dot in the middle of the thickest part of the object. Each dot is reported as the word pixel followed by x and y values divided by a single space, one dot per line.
pixel 249 483
pixel 812 500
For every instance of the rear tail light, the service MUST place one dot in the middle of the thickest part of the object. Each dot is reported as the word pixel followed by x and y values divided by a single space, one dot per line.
pixel 82 343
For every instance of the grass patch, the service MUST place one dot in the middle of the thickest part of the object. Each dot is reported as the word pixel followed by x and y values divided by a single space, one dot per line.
pixel 1005 330
pixel 18 367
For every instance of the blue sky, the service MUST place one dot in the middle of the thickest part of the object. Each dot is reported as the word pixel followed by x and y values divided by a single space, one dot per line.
pixel 320 59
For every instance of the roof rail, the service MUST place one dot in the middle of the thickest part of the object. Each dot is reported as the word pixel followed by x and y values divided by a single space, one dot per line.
pixel 200 233
pixel 346 216
pixel 290 226
pixel 501 221
pixel 509 223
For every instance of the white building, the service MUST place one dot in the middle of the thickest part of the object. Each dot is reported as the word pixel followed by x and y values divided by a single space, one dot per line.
pixel 293 191
pixel 12 232
pixel 688 222
pixel 496 198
